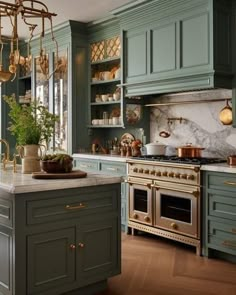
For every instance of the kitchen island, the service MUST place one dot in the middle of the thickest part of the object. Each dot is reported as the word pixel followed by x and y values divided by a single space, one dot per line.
pixel 58 236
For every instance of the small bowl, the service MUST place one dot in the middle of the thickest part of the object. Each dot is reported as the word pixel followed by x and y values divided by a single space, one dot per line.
pixel 104 97
pixel 116 96
pixel 110 98
pixel 56 167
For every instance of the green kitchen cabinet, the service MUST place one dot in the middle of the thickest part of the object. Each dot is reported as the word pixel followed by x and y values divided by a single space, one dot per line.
pixel 109 167
pixel 59 241
pixel 219 215
pixel 63 89
pixel 176 45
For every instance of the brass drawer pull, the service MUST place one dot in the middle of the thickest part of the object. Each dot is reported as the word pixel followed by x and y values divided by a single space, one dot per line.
pixel 230 183
pixel 80 206
pixel 72 247
pixel 229 244
pixel 81 245
pixel 85 166
pixel 194 193
pixel 112 169
pixel 149 185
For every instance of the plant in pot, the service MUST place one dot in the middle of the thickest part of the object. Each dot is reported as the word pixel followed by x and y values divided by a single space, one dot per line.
pixel 32 125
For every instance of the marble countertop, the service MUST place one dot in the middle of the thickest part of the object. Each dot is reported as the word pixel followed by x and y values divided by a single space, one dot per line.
pixel 220 167
pixel 105 157
pixel 17 183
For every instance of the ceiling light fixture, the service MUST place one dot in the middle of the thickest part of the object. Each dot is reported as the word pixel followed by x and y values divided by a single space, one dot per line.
pixel 27 11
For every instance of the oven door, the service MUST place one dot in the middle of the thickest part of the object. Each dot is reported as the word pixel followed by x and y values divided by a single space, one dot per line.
pixel 177 208
pixel 140 200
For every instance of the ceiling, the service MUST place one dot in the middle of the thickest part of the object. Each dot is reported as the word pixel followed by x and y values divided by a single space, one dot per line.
pixel 78 10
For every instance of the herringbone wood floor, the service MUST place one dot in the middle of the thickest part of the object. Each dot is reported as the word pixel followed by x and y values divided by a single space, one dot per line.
pixel 156 266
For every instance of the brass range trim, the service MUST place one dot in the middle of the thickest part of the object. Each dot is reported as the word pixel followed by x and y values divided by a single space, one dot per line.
pixel 166 234
pixel 157 163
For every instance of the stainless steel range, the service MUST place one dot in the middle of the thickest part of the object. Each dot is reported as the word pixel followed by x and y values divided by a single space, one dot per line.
pixel 165 197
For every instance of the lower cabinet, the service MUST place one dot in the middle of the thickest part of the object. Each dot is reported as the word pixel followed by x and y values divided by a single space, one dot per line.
pixel 110 168
pixel 61 241
pixel 219 227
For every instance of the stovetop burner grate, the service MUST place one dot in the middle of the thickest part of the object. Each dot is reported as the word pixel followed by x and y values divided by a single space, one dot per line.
pixel 175 159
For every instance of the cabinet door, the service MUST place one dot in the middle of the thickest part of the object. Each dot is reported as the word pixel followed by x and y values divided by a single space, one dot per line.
pixel 98 250
pixel 6 262
pixel 51 260
pixel 135 43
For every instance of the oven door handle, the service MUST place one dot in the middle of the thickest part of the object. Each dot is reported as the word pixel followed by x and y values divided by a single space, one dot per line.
pixel 149 185
pixel 194 193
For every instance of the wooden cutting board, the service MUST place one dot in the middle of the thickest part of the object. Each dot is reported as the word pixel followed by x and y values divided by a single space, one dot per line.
pixel 72 174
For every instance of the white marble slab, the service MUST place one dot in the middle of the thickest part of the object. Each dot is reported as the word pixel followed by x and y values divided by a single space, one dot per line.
pixel 100 157
pixel 24 183
pixel 221 167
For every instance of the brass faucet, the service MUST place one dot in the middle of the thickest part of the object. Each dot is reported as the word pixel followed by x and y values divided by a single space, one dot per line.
pixel 6 156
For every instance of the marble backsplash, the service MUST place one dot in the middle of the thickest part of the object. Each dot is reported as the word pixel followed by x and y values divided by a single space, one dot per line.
pixel 200 125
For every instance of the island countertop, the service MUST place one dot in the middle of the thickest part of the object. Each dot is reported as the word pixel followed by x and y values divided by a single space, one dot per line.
pixel 17 183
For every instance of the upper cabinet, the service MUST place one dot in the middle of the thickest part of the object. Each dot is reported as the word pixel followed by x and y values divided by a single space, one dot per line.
pixel 176 45
pixel 59 82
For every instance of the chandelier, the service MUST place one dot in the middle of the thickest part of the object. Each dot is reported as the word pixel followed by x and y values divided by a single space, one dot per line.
pixel 26 11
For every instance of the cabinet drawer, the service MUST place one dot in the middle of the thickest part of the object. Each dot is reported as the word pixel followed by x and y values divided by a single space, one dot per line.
pixel 222 206
pixel 222 236
pixel 71 206
pixel 222 181
pixel 6 212
pixel 113 168
pixel 87 165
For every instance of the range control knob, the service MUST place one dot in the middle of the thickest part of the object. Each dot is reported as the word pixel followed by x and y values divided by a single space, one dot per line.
pixel 174 225
pixel 135 170
pixel 171 174
pixel 140 170
pixel 190 177
pixel 135 216
pixel 158 173
pixel 152 172
pixel 177 175
pixel 165 173
pixel 146 171
pixel 183 176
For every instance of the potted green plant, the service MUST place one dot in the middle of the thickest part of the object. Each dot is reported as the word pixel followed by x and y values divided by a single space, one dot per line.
pixel 57 163
pixel 32 125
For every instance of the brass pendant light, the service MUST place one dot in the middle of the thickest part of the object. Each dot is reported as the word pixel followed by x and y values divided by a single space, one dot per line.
pixel 225 115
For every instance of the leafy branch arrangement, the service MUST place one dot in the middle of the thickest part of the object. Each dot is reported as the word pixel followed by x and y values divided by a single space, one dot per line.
pixel 57 163
pixel 31 123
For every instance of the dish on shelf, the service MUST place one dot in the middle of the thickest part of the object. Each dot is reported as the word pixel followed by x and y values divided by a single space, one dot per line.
pixel 126 138
pixel 115 112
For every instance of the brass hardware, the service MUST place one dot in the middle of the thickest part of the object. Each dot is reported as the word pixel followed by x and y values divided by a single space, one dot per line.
pixel 158 173
pixel 80 206
pixel 72 246
pixel 190 177
pixel 196 169
pixel 81 245
pixel 174 225
pixel 133 182
pixel 135 216
pixel 183 176
pixel 147 219
pixel 146 171
pixel 234 230
pixel 171 174
pixel 153 172
pixel 229 244
pixel 230 183
pixel 6 156
pixel 194 193
pixel 135 170
pixel 140 170
pixel 112 169
pixel 164 173
pixel 177 175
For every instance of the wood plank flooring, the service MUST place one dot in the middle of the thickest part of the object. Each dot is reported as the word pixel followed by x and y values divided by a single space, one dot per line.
pixel 155 266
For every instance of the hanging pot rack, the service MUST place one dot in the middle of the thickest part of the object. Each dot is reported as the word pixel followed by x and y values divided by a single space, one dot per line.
pixel 186 102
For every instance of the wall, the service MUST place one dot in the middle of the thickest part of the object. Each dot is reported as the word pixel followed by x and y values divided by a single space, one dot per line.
pixel 201 125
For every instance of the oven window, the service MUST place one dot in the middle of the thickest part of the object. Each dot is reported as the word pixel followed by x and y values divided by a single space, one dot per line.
pixel 176 208
pixel 140 200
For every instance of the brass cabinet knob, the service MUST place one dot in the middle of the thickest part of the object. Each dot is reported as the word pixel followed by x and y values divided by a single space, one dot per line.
pixel 147 219
pixel 72 247
pixel 135 215
pixel 174 225
pixel 135 170
pixel 81 245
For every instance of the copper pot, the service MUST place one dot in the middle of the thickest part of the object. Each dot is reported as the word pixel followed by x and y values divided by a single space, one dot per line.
pixel 189 151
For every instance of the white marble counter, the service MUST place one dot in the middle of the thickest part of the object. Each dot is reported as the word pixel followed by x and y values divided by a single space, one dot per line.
pixel 220 167
pixel 114 158
pixel 17 183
